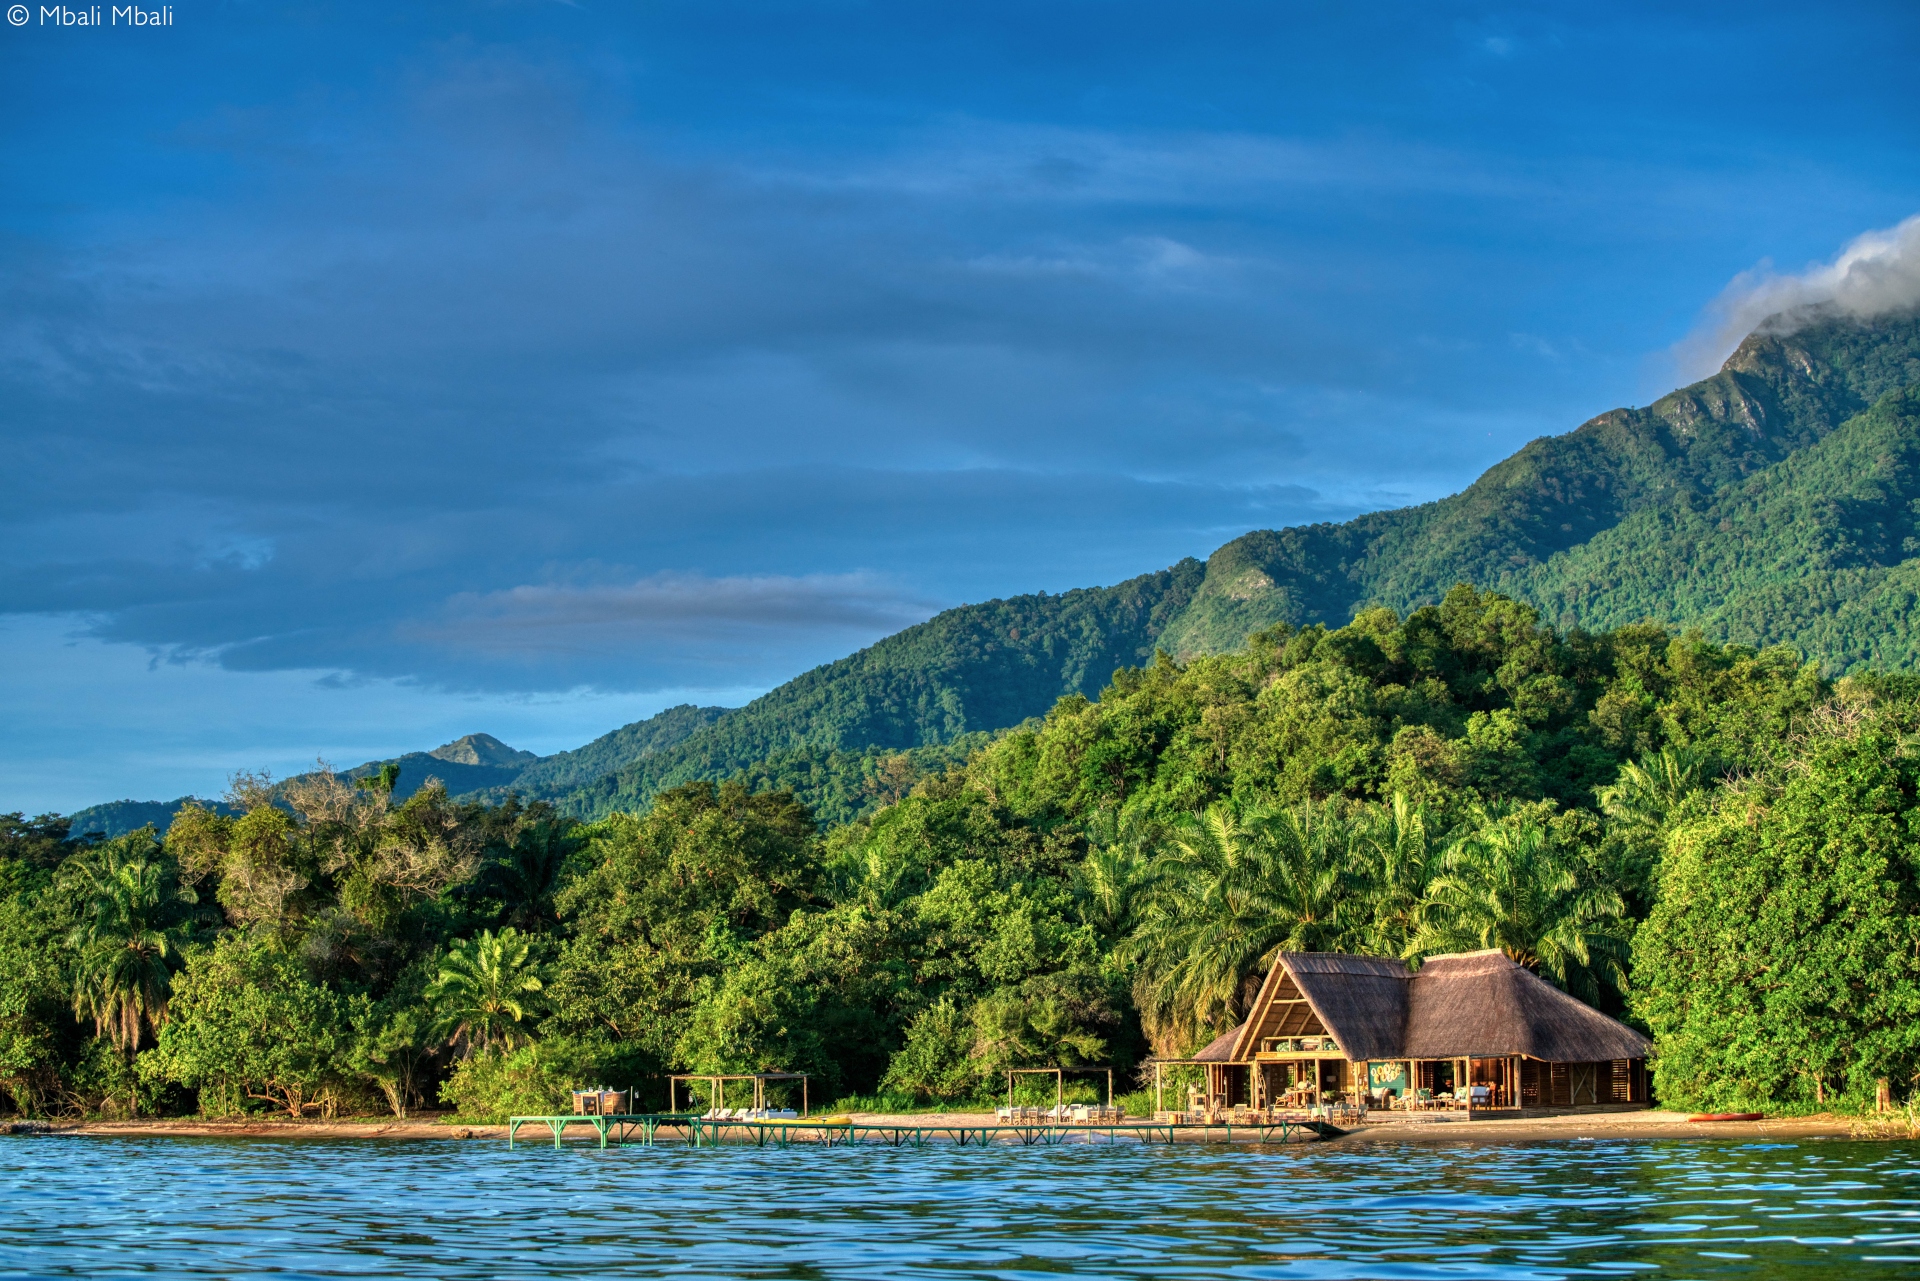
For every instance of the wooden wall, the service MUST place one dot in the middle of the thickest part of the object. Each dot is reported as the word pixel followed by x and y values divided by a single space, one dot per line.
pixel 1565 1085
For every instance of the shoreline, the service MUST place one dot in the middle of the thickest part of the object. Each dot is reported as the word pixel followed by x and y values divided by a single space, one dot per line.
pixel 1588 1127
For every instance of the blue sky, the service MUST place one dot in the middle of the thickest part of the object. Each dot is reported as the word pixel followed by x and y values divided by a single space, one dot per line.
pixel 371 375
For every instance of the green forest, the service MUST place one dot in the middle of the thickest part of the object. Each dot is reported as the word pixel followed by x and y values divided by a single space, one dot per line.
pixel 1718 842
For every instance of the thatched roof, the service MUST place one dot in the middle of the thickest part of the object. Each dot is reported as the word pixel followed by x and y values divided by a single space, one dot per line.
pixel 1481 1004
pixel 1466 1005
pixel 1362 1000
pixel 1220 1048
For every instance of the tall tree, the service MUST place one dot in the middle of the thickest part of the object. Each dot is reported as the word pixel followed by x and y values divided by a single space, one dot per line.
pixel 127 934
pixel 1229 893
pixel 1512 885
pixel 486 990
pixel 1781 965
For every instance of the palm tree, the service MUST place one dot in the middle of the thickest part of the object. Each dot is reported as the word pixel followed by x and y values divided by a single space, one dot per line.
pixel 1511 886
pixel 485 990
pixel 1645 800
pixel 526 875
pixel 1647 792
pixel 1394 860
pixel 1228 893
pixel 1122 848
pixel 121 979
pixel 1314 866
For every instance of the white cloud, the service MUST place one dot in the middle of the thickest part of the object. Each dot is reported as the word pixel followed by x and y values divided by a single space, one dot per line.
pixel 1878 273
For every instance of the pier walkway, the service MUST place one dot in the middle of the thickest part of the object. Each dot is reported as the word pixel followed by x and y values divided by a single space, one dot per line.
pixel 653 1129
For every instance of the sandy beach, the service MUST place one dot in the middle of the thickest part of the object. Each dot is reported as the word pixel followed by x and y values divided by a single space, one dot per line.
pixel 1578 1127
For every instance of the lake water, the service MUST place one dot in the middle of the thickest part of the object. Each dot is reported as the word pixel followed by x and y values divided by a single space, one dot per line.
pixel 213 1207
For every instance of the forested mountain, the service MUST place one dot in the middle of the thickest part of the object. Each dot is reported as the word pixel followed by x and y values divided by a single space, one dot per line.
pixel 563 771
pixel 1765 504
pixel 484 768
pixel 1769 504
pixel 117 818
pixel 1776 395
pixel 1818 551
pixel 471 763
pixel 976 668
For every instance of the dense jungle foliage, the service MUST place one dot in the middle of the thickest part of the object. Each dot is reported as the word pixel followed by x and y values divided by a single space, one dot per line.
pixel 1715 841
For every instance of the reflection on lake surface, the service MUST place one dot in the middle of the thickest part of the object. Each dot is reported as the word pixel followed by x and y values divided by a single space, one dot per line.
pixel 109 1207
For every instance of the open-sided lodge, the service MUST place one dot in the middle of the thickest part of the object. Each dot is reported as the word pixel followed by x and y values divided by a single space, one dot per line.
pixel 1469 1029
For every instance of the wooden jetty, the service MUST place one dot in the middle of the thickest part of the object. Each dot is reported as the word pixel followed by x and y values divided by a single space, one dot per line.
pixel 651 1129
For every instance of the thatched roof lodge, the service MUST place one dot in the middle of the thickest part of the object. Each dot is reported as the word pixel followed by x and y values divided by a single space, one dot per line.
pixel 1471 1026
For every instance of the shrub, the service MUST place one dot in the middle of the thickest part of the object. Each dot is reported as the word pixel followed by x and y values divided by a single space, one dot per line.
pixel 534 1080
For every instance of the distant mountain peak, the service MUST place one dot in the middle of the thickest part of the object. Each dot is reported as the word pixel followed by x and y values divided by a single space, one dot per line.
pixel 481 749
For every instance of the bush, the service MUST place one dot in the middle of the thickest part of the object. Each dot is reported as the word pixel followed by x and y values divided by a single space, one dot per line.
pixel 935 1063
pixel 534 1080
pixel 247 1023
pixel 883 1104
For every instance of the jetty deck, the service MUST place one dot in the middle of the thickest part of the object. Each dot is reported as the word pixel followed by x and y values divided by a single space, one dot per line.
pixel 682 1130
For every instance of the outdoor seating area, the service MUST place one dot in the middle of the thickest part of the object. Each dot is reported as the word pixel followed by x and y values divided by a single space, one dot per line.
pixel 750 1114
pixel 716 1089
pixel 1200 1113
pixel 601 1101
pixel 1062 1112
pixel 1421 1100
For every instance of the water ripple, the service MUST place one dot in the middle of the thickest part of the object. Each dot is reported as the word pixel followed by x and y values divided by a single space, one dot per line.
pixel 213 1207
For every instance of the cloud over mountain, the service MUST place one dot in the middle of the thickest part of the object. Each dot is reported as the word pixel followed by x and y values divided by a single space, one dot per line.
pixel 1877 274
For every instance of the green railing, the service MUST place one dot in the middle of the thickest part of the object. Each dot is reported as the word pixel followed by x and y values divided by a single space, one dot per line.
pixel 649 1129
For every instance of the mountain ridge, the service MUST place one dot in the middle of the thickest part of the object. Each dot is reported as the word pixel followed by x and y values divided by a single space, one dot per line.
pixel 1776 394
pixel 1805 439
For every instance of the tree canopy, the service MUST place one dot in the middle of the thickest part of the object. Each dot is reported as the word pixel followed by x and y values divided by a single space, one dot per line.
pixel 1716 841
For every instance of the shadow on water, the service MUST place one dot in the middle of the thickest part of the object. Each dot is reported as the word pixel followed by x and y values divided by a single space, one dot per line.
pixel 214 1207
